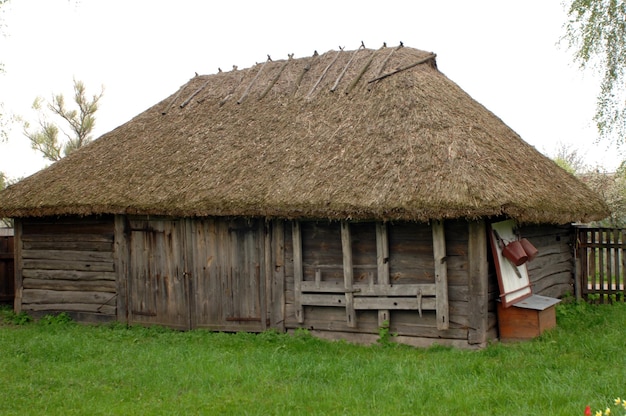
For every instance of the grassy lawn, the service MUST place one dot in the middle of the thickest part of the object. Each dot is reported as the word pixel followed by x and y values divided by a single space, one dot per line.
pixel 58 368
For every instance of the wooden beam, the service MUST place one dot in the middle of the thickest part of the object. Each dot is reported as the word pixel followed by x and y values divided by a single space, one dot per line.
pixel 296 236
pixel 277 303
pixel 382 263
pixel 441 274
pixel 348 273
pixel 121 255
pixel 478 282
pixel 19 265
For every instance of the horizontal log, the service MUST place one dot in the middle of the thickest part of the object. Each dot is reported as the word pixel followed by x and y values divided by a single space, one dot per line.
pixel 68 274
pixel 367 290
pixel 408 323
pixel 68 265
pixel 67 238
pixel 69 225
pixel 69 245
pixel 427 303
pixel 73 307
pixel 369 303
pixel 70 285
pixel 66 297
pixel 68 255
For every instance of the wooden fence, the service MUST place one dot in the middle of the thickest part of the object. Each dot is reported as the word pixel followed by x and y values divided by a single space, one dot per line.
pixel 7 282
pixel 601 263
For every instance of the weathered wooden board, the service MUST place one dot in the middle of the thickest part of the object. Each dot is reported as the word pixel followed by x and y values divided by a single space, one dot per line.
pixel 71 285
pixel 68 275
pixel 108 310
pixel 157 285
pixel 70 265
pixel 42 296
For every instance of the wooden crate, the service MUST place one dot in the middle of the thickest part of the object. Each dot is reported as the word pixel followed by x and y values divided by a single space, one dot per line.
pixel 526 319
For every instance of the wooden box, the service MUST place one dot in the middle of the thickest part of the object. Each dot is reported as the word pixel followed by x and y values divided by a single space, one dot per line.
pixel 526 319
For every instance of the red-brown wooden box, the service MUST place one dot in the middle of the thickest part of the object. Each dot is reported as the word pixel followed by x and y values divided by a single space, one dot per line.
pixel 526 319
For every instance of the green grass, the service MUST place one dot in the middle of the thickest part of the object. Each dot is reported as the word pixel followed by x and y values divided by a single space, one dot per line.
pixel 55 367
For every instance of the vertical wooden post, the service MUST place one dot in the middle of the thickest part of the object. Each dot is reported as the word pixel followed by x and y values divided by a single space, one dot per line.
pixel 578 267
pixel 478 282
pixel 382 263
pixel 265 257
pixel 441 274
pixel 296 236
pixel 348 272
pixel 277 301
pixel 18 265
pixel 121 267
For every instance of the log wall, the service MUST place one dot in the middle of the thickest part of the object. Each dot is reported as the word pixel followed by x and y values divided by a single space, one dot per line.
pixel 552 272
pixel 66 265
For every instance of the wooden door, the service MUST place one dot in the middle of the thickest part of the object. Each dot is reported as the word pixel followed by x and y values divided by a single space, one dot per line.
pixel 158 281
pixel 228 283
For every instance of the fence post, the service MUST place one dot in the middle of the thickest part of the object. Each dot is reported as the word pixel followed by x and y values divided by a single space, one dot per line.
pixel 577 264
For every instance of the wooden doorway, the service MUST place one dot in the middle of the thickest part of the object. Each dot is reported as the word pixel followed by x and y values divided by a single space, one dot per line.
pixel 158 283
pixel 228 275
pixel 200 273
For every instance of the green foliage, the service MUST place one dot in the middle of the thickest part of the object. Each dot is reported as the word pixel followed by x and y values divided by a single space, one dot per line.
pixel 9 317
pixel 596 32
pixel 385 335
pixel 59 319
pixel 80 120
pixel 612 188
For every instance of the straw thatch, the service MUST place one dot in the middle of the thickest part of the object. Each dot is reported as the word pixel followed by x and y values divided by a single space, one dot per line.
pixel 328 136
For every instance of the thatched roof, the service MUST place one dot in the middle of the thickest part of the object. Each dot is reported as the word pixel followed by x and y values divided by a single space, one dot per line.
pixel 317 137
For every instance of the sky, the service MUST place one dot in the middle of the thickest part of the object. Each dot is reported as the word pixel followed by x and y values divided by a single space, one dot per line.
pixel 505 54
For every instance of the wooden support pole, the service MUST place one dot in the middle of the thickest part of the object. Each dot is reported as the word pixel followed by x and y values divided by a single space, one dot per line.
pixel 414 64
pixel 382 263
pixel 348 273
pixel 324 73
pixel 19 265
pixel 121 253
pixel 441 274
pixel 277 302
pixel 296 236
pixel 478 282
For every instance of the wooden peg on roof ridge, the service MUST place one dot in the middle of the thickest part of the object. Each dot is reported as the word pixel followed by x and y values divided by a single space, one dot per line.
pixel 401 44
pixel 219 69
pixel 362 45
pixel 290 56
pixel 384 44
pixel 269 58
pixel 315 53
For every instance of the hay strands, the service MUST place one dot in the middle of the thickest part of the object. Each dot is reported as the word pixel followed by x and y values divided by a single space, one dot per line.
pixel 196 92
pixel 275 79
pixel 339 78
pixel 363 70
pixel 324 72
pixel 245 93
pixel 404 68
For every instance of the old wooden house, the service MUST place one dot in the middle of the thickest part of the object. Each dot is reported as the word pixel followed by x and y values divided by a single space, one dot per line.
pixel 339 193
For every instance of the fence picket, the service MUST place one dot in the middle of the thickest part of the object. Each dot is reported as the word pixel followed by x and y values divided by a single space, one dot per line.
pixel 603 266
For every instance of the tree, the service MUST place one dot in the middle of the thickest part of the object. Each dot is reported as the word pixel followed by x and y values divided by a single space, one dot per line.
pixel 568 158
pixel 596 32
pixel 3 117
pixel 81 122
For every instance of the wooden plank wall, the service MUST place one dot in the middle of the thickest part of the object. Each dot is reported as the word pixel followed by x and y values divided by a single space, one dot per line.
pixel 411 261
pixel 552 272
pixel 66 264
